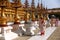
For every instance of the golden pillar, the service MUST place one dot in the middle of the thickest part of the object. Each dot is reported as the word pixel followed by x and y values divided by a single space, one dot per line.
pixel 26 16
pixel 40 15
pixel 3 19
pixel 33 16
pixel 16 4
pixel 16 18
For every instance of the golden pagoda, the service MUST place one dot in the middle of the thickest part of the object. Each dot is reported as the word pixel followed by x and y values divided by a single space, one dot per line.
pixel 33 10
pixel 15 11
pixel 42 10
pixel 38 10
pixel 19 10
pixel 3 19
pixel 26 9
pixel 9 12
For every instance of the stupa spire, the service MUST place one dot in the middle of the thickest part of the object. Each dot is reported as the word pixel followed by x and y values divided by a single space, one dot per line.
pixel 38 4
pixel 33 4
pixel 41 4
pixel 17 2
pixel 26 4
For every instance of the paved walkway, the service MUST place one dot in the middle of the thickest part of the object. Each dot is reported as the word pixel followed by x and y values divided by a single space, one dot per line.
pixel 55 35
pixel 48 32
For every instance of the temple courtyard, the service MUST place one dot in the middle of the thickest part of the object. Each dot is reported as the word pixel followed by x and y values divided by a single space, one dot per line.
pixel 29 20
pixel 54 36
pixel 51 33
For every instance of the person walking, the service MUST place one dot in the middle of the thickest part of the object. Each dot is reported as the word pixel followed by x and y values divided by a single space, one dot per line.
pixel 56 24
pixel 41 26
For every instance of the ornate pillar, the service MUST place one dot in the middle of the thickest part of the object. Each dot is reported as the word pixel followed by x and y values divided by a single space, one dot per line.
pixel 26 10
pixel 26 16
pixel 16 18
pixel 16 5
pixel 33 15
pixel 3 19
pixel 33 10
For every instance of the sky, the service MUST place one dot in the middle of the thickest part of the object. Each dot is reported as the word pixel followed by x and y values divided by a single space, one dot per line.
pixel 46 3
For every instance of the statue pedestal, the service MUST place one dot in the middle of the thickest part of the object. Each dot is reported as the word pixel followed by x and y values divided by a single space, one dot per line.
pixel 31 28
pixel 15 27
pixel 7 34
pixel 19 29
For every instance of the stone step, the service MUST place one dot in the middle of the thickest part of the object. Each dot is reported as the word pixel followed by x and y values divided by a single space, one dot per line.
pixel 9 36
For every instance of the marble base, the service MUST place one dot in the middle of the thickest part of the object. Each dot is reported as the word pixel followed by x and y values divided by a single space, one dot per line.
pixel 33 26
pixel 10 23
pixel 19 29
pixel 7 34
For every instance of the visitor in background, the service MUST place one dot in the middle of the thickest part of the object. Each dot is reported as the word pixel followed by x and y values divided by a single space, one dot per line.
pixel 41 26
pixel 56 24
pixel 53 21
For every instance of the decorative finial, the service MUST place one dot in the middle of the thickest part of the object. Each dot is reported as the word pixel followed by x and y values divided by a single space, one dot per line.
pixel 38 4
pixel 33 4
pixel 26 4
